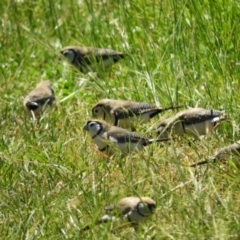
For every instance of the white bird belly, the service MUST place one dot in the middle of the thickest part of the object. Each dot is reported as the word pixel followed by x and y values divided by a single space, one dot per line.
pixel 135 217
pixel 199 129
pixel 98 65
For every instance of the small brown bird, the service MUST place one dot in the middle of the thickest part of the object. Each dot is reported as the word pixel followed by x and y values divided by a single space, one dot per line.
pixel 105 135
pixel 193 121
pixel 222 154
pixel 39 99
pixel 123 113
pixel 134 209
pixel 90 59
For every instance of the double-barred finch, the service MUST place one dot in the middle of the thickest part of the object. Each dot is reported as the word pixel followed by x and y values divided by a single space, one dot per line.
pixel 134 209
pixel 123 113
pixel 106 136
pixel 193 121
pixel 39 99
pixel 222 154
pixel 90 59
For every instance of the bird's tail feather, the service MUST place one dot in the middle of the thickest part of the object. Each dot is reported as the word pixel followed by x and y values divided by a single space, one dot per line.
pixel 173 107
pixel 212 160
pixel 159 140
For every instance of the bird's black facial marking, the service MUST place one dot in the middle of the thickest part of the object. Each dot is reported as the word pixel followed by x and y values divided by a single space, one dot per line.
pixel 91 124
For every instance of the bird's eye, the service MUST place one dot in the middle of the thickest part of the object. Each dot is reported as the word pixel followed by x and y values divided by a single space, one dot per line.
pixel 96 111
pixel 65 53
pixel 69 54
pixel 91 124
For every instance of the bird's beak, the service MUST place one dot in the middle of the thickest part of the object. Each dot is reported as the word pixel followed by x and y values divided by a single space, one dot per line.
pixel 85 127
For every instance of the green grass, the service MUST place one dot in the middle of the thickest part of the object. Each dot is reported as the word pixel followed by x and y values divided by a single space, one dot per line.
pixel 54 181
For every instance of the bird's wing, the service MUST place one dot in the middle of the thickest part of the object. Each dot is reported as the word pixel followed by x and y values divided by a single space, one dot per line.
pixel 98 55
pixel 139 109
pixel 198 117
pixel 123 137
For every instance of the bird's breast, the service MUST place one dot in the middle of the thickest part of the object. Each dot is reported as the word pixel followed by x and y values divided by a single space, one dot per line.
pixel 135 217
pixel 201 128
pixel 100 142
